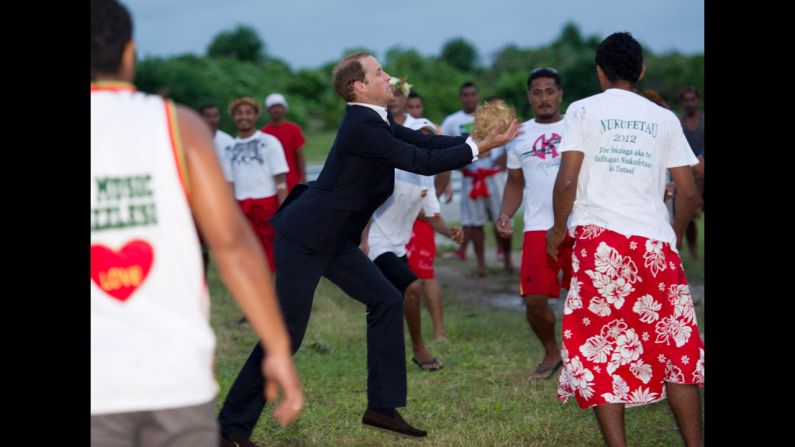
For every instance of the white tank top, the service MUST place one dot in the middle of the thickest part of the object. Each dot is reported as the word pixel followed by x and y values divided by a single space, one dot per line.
pixel 151 342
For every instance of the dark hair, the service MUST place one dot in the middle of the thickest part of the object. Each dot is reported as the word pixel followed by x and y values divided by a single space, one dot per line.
pixel 685 90
pixel 111 29
pixel 465 85
pixel 543 72
pixel 348 71
pixel 204 107
pixel 413 94
pixel 621 58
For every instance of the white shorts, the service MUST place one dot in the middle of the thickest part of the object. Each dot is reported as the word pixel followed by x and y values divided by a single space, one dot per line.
pixel 475 213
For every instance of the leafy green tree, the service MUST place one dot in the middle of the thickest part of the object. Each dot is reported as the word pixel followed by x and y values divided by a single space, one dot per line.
pixel 570 37
pixel 460 54
pixel 242 43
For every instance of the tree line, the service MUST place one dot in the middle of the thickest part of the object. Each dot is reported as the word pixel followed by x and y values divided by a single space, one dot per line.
pixel 237 64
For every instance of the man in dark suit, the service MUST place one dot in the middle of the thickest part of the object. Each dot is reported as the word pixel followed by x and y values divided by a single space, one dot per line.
pixel 318 231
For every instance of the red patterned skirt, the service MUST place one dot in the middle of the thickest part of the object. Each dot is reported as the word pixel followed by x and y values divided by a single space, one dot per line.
pixel 629 324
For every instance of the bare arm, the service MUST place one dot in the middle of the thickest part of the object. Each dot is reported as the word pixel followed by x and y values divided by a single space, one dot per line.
pixel 443 183
pixel 511 199
pixel 698 170
pixel 686 199
pixel 698 173
pixel 563 198
pixel 301 165
pixel 440 226
pixel 281 187
pixel 441 180
pixel 240 260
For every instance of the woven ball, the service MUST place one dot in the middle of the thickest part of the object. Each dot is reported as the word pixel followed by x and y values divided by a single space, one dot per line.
pixel 490 115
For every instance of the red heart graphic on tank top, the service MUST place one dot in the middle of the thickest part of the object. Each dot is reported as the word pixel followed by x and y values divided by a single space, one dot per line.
pixel 120 273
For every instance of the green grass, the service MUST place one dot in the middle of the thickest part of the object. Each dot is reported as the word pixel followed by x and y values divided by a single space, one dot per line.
pixel 481 398
pixel 318 144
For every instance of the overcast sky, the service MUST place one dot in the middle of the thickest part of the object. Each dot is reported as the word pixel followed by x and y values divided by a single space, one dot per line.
pixel 309 33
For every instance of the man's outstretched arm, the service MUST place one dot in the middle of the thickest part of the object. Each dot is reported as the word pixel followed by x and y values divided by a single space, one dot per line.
pixel 377 142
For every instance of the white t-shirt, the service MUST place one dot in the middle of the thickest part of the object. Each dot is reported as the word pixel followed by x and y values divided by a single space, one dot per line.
pixel 253 162
pixel 407 120
pixel 419 123
pixel 393 221
pixel 536 152
pixel 223 142
pixel 458 124
pixel 629 142
pixel 151 341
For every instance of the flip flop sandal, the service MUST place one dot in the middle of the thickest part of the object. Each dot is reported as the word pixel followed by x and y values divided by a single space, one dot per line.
pixel 428 365
pixel 541 371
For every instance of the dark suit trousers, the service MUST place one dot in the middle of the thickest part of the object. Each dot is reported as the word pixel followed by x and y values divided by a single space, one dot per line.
pixel 298 271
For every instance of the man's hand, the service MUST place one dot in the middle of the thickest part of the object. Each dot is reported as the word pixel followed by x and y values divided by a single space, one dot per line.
pixel 555 237
pixel 456 234
pixel 279 371
pixel 497 139
pixel 504 226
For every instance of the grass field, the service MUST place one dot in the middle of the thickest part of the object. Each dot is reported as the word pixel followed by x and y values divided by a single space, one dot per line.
pixel 317 145
pixel 481 398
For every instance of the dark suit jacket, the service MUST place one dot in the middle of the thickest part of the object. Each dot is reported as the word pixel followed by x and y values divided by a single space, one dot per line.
pixel 359 176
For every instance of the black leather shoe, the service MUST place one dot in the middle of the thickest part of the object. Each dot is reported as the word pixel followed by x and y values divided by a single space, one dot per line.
pixel 394 424
pixel 236 441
